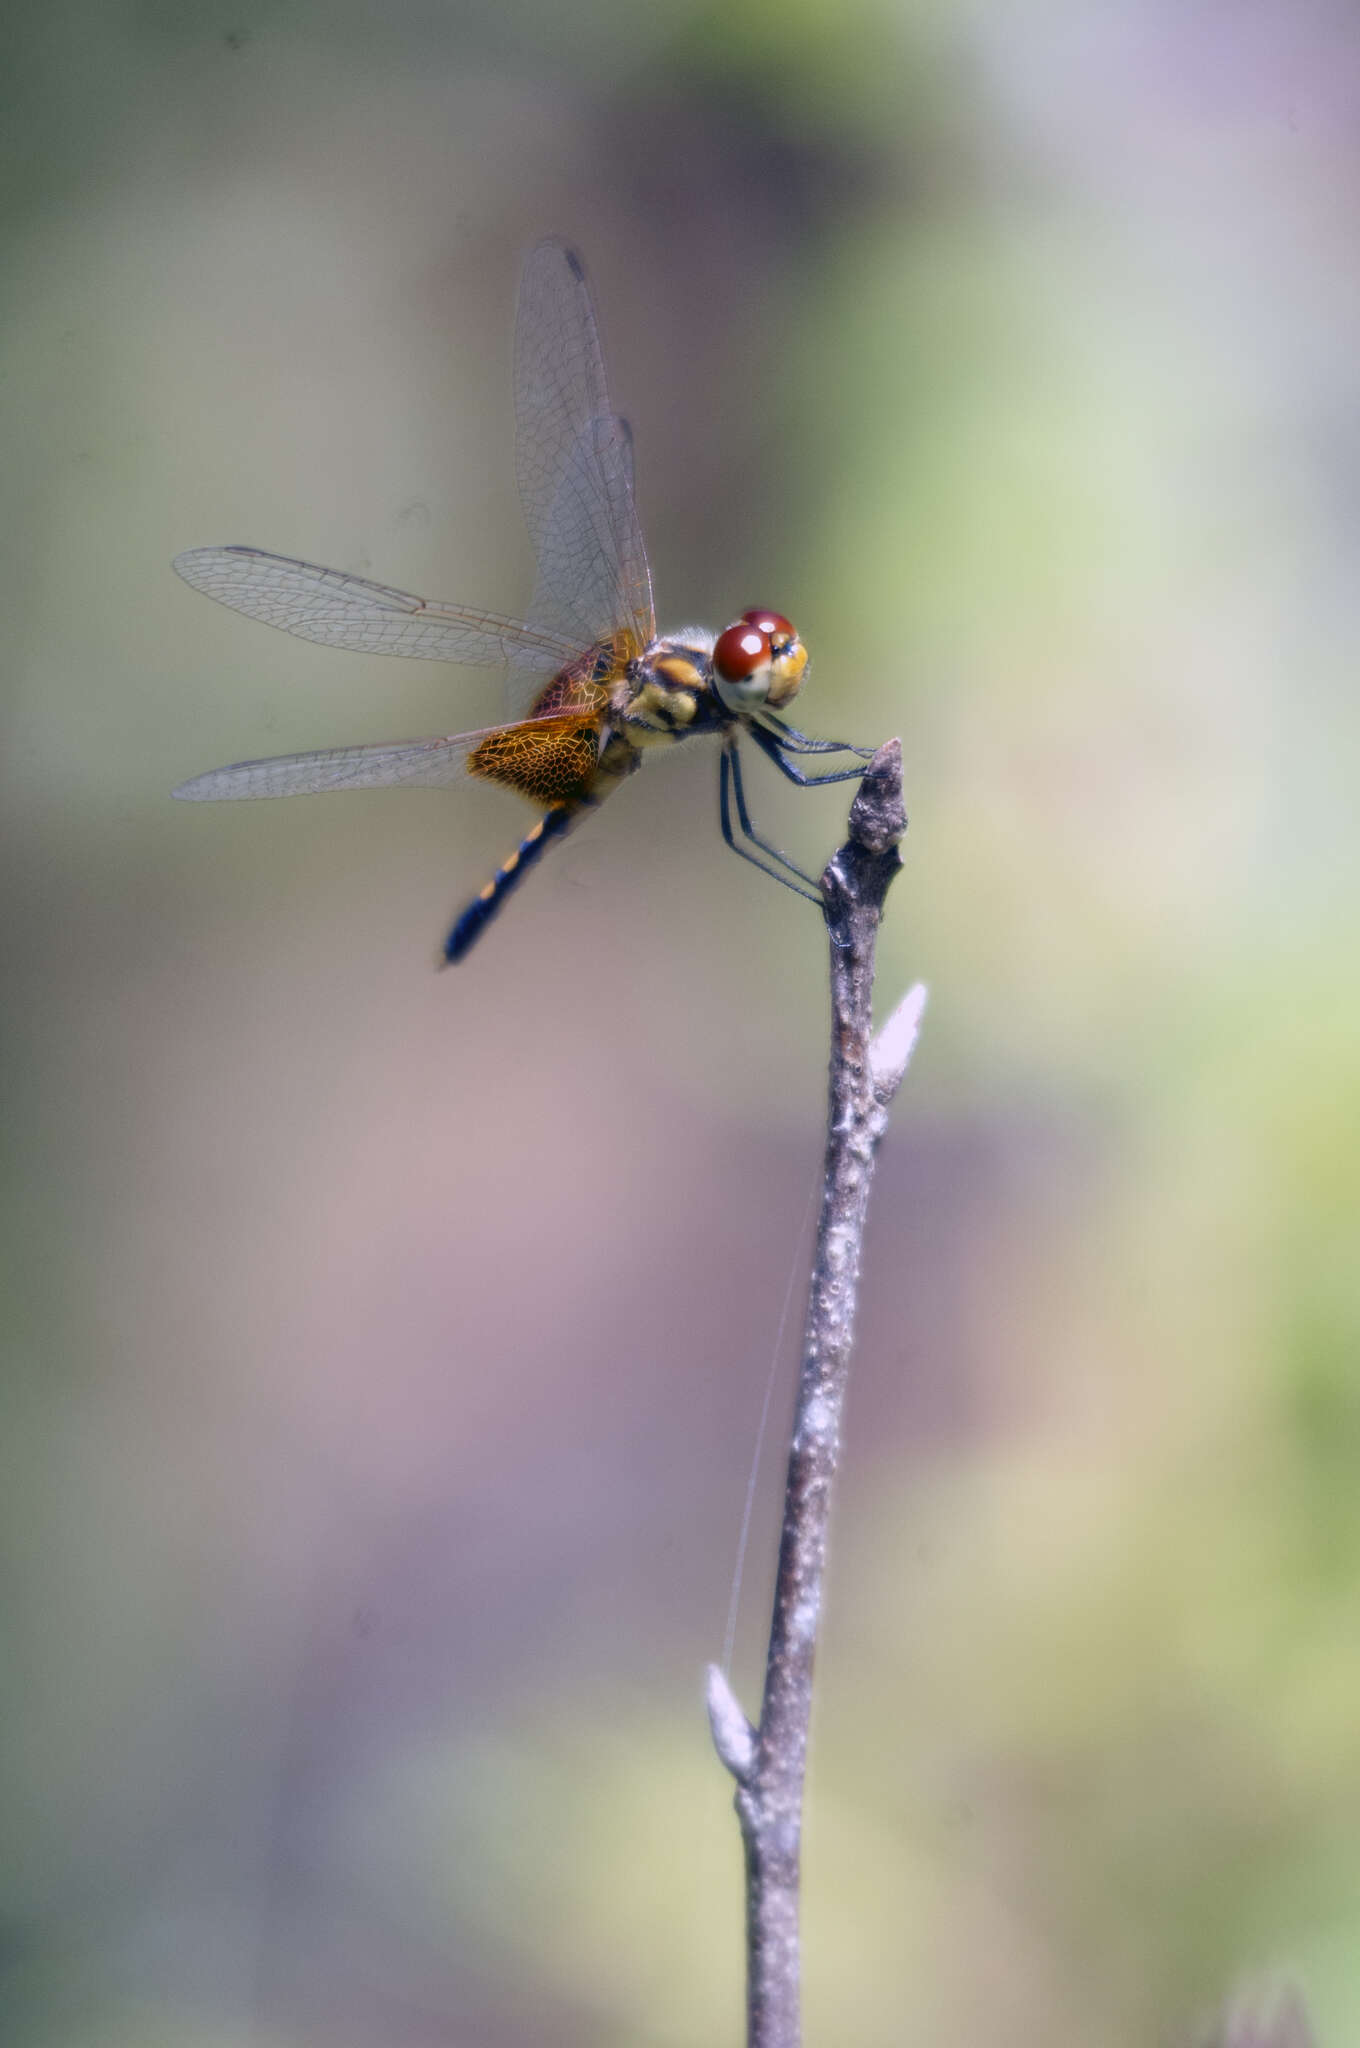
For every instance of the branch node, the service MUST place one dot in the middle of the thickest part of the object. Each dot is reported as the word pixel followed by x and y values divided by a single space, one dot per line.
pixel 733 1736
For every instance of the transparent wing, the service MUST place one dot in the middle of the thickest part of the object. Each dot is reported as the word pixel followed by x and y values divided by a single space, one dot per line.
pixel 593 578
pixel 412 764
pixel 560 385
pixel 422 764
pixel 346 611
pixel 574 462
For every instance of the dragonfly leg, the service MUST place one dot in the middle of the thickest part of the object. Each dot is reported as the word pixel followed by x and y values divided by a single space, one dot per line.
pixel 802 743
pixel 730 790
pixel 775 748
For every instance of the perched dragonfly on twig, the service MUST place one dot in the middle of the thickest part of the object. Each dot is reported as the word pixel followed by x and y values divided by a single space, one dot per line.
pixel 598 687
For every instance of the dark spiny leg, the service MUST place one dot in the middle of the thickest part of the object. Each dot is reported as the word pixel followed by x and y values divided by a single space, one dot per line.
pixel 473 921
pixel 772 746
pixel 729 786
pixel 756 839
pixel 799 742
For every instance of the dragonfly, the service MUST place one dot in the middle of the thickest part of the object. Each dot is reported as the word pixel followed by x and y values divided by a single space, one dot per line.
pixel 594 687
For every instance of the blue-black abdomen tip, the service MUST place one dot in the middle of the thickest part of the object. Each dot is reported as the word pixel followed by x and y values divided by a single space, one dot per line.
pixel 464 932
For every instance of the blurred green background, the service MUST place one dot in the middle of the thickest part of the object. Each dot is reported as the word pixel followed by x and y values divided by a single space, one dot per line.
pixel 383 1349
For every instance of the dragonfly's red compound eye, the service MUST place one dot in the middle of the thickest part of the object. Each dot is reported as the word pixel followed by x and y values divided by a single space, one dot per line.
pixel 740 651
pixel 772 624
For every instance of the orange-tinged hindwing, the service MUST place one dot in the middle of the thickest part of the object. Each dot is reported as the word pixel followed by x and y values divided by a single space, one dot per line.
pixel 549 761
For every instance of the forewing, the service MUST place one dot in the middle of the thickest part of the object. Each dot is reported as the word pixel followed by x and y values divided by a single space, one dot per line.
pixel 593 578
pixel 560 385
pixel 574 461
pixel 347 611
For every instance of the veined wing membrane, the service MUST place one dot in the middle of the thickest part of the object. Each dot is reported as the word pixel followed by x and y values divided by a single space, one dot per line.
pixel 593 578
pixel 347 611
pixel 430 764
pixel 574 462
pixel 560 384
pixel 410 764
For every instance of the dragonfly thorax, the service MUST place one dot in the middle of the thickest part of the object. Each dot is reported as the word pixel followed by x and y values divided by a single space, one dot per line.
pixel 669 689
pixel 692 682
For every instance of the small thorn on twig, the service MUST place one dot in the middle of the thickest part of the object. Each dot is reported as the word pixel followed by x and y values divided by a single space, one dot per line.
pixel 733 1736
pixel 1263 2018
pixel 891 1047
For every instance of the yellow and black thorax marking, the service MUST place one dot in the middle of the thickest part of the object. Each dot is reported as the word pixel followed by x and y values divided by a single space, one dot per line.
pixel 672 695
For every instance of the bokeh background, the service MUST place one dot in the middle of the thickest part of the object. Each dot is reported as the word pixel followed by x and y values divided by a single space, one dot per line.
pixel 383 1349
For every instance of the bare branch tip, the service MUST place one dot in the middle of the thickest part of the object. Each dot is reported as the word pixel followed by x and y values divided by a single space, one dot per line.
pixel 733 1736
pixel 878 817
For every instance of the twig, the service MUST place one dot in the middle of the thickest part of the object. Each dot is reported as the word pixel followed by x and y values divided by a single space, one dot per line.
pixel 769 1762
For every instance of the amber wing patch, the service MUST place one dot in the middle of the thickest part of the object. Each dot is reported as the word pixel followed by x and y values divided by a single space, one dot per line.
pixel 551 761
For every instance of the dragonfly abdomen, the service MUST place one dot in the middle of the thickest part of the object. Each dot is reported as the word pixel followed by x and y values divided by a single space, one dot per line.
pixel 473 921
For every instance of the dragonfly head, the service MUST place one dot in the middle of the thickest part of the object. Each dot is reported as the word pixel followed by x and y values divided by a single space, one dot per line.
pixel 759 661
